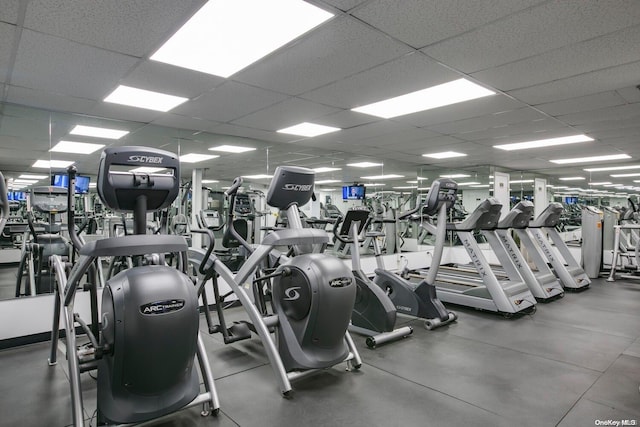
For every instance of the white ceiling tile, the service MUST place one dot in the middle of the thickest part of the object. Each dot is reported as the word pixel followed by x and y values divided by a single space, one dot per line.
pixel 9 11
pixel 406 74
pixel 527 130
pixel 43 99
pixel 133 27
pixel 620 112
pixel 605 125
pixel 613 49
pixel 259 134
pixel 488 121
pixel 630 94
pixel 345 119
pixel 420 23
pixel 344 4
pixel 7 33
pixel 370 130
pixel 533 31
pixel 228 102
pixel 71 68
pixel 160 77
pixel 621 132
pixel 399 138
pixel 463 110
pixel 336 50
pixel 284 114
pixel 123 112
pixel 582 103
pixel 182 122
pixel 582 85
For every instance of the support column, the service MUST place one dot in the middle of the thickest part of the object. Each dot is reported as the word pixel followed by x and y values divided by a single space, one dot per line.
pixel 196 205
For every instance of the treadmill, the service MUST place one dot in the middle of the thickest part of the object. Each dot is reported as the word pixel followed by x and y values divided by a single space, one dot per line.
pixel 508 296
pixel 534 237
pixel 543 283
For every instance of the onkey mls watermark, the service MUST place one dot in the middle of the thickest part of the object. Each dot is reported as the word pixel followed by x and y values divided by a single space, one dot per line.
pixel 616 423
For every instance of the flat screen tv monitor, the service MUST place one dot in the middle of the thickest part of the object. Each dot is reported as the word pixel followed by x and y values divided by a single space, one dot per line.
pixel 82 182
pixel 16 196
pixel 571 200
pixel 353 192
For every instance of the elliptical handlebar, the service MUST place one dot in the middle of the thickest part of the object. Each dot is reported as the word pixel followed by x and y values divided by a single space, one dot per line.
pixel 237 183
pixel 212 241
pixel 72 171
pixel 346 239
pixel 4 199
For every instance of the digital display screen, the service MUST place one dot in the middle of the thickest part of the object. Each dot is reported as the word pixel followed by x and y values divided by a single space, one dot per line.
pixel 571 200
pixel 353 192
pixel 82 182
pixel 16 196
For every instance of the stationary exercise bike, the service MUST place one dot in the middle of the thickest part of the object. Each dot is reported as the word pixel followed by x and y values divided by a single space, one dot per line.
pixel 420 300
pixel 374 314
pixel 149 340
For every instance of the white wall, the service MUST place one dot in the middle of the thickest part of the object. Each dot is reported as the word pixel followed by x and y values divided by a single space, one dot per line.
pixel 472 198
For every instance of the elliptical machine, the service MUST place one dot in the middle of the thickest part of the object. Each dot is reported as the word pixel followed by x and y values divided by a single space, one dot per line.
pixel 420 300
pixel 46 240
pixel 149 340
pixel 374 314
pixel 312 293
pixel 5 210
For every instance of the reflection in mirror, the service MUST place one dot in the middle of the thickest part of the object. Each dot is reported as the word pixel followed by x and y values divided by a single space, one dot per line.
pixel 21 129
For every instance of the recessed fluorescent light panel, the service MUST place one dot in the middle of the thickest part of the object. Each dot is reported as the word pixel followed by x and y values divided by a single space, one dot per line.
pixel 591 159
pixel 308 129
pixel 232 149
pixel 259 176
pixel 391 176
pixel 573 139
pixel 612 168
pixel 195 158
pixel 433 97
pixel 406 187
pixel 24 181
pixel 98 132
pixel 623 175
pixel 480 186
pixel 444 155
pixel 57 164
pixel 325 169
pixel 30 176
pixel 572 178
pixel 375 185
pixel 327 181
pixel 521 181
pixel 76 147
pixel 225 36
pixel 469 183
pixel 364 164
pixel 600 183
pixel 209 181
pixel 455 175
pixel 133 97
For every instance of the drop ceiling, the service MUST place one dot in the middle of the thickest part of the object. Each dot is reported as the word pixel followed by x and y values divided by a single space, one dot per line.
pixel 558 67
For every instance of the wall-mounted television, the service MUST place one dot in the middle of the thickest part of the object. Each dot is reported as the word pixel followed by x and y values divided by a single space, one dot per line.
pixel 82 182
pixel 353 192
pixel 571 200
pixel 16 196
